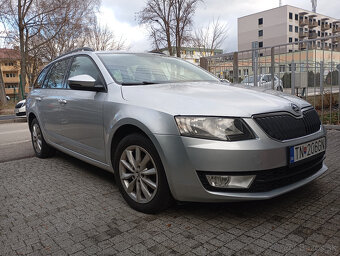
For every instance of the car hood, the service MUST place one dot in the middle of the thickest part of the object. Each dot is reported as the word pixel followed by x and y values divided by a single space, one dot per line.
pixel 207 98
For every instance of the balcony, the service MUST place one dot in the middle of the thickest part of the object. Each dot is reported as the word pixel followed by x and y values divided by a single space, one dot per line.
pixel 312 24
pixel 303 22
pixel 303 34
pixel 11 79
pixel 336 29
pixel 9 68
pixel 336 40
pixel 302 46
pixel 325 27
pixel 312 35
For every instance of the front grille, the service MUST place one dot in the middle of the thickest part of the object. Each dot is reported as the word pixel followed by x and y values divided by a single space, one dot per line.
pixel 285 126
pixel 268 180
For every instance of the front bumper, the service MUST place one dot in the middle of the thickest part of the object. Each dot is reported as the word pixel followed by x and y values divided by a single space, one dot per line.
pixel 184 158
pixel 20 112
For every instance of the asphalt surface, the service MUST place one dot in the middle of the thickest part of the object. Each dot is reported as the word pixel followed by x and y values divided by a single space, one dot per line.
pixel 15 141
pixel 62 206
pixel 8 117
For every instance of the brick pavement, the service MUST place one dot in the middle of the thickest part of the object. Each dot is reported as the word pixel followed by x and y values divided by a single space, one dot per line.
pixel 62 206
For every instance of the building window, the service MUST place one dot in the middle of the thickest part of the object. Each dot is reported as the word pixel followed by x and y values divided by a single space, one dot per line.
pixel 296 17
pixel 10 75
pixel 282 68
pixel 260 44
pixel 296 39
pixel 319 23
pixel 296 29
pixel 290 39
pixel 260 21
pixel 318 33
pixel 290 28
pixel 290 16
pixel 260 32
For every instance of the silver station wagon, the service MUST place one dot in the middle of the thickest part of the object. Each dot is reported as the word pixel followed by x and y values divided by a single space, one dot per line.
pixel 169 130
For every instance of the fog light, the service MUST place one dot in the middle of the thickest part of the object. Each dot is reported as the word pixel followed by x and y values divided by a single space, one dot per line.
pixel 223 181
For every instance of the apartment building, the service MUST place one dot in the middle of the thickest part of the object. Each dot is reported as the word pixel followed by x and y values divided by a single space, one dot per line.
pixel 287 24
pixel 193 54
pixel 10 70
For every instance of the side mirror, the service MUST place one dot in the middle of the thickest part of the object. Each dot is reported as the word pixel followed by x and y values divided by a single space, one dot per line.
pixel 85 83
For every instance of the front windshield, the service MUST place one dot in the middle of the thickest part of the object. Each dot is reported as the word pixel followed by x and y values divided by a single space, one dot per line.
pixel 135 69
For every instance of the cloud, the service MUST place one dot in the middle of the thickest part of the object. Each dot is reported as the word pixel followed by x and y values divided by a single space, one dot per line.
pixel 136 36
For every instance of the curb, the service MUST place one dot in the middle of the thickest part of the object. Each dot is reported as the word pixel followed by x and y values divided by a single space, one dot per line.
pixel 332 127
pixel 14 120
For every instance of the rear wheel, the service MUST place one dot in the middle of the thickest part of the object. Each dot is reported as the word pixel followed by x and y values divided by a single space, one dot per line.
pixel 41 148
pixel 140 175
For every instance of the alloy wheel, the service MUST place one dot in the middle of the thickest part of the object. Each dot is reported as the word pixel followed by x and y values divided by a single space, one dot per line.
pixel 37 138
pixel 138 174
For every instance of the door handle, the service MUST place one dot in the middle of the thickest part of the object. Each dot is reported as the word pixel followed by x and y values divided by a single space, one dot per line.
pixel 62 101
pixel 38 98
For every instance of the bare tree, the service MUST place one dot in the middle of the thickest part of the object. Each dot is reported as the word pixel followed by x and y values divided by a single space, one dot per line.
pixel 35 23
pixel 169 22
pixel 158 14
pixel 211 37
pixel 101 38
pixel 184 11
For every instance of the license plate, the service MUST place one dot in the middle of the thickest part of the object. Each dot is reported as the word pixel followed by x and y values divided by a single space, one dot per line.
pixel 305 150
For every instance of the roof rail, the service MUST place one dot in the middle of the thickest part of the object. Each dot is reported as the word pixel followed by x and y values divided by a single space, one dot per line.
pixel 76 50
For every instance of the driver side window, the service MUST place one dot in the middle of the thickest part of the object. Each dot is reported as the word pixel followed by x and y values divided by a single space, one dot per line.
pixel 83 65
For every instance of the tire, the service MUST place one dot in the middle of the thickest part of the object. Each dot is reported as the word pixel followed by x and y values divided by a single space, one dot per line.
pixel 140 176
pixel 41 148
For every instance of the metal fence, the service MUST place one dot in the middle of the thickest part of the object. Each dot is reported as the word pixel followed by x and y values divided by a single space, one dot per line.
pixel 308 69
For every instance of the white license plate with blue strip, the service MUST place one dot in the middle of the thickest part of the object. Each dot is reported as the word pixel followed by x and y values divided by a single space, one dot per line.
pixel 306 150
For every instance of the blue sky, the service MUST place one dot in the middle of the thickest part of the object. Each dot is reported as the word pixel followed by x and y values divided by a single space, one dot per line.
pixel 119 15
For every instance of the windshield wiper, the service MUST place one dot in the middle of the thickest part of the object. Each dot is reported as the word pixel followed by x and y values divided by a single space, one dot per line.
pixel 139 83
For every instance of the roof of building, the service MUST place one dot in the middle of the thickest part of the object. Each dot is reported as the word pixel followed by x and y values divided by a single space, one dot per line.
pixel 285 6
pixel 10 54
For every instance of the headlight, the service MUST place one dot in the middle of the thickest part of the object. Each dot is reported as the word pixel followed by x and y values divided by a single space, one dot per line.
pixel 214 128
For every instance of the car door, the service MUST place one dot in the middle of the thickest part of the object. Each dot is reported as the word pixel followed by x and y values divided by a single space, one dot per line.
pixel 82 113
pixel 48 100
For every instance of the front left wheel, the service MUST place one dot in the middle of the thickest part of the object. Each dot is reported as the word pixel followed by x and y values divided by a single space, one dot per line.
pixel 140 175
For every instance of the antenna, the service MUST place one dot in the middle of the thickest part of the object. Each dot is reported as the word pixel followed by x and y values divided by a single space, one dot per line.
pixel 280 3
pixel 314 4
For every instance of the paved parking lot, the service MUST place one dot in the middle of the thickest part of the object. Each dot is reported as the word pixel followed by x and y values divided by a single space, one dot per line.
pixel 62 206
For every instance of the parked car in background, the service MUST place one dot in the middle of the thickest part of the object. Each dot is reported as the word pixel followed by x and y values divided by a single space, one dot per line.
pixel 168 129
pixel 20 109
pixel 265 80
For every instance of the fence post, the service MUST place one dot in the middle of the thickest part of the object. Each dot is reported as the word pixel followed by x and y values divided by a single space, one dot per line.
pixel 292 80
pixel 272 64
pixel 338 68
pixel 235 67
pixel 255 46
pixel 322 71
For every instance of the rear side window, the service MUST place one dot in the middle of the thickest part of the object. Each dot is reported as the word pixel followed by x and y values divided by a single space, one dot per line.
pixel 39 81
pixel 83 65
pixel 55 78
